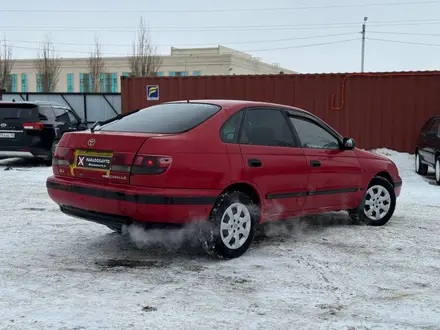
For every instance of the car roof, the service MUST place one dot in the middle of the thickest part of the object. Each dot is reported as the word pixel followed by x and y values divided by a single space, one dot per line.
pixel 238 104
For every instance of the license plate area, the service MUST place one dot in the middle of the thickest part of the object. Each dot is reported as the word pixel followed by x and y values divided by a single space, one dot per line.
pixel 93 160
pixel 7 135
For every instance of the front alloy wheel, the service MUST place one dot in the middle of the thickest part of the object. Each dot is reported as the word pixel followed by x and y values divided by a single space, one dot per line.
pixel 231 227
pixel 378 204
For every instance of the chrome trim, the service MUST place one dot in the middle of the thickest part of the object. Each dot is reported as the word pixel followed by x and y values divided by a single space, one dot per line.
pixel 10 131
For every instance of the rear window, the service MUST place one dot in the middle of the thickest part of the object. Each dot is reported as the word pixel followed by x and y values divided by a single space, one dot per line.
pixel 25 112
pixel 169 118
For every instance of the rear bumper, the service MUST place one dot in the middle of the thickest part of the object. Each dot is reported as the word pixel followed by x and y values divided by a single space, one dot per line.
pixel 104 203
pixel 23 152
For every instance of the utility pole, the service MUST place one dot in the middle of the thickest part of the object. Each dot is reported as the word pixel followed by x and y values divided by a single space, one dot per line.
pixel 363 44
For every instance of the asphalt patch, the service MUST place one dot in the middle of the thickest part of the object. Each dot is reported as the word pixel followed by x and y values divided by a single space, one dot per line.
pixel 126 263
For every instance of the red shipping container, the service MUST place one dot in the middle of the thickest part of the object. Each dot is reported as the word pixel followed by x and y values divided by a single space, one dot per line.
pixel 376 109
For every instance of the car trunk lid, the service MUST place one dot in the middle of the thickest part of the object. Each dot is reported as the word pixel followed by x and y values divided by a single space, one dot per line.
pixel 99 156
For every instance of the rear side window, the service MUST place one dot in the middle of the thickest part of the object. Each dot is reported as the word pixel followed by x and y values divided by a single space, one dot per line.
pixel 61 115
pixel 8 111
pixel 230 129
pixel 169 118
pixel 45 113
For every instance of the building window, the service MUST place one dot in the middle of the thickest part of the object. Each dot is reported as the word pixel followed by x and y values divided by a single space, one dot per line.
pixel 39 87
pixel 196 73
pixel 108 82
pixel 114 82
pixel 85 83
pixel 178 73
pixel 125 74
pixel 102 83
pixel 24 82
pixel 160 74
pixel 12 83
pixel 70 83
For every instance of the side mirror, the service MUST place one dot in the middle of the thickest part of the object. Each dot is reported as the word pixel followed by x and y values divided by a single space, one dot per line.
pixel 348 144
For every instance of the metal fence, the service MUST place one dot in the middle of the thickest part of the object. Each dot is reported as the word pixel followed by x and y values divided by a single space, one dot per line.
pixel 91 107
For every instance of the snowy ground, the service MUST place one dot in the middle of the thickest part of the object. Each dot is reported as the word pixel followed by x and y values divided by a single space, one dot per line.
pixel 63 273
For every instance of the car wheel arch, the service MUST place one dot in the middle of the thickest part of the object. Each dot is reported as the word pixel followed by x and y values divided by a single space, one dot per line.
pixel 246 188
pixel 385 175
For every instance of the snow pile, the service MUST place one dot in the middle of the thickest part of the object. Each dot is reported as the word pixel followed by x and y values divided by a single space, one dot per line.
pixel 58 272
pixel 415 187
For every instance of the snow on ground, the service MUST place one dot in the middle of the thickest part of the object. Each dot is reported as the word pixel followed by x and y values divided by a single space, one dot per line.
pixel 62 273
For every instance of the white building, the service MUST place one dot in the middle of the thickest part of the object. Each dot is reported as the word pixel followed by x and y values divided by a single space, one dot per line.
pixel 181 62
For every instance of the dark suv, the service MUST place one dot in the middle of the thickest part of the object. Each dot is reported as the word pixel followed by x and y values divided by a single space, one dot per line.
pixel 33 129
pixel 428 148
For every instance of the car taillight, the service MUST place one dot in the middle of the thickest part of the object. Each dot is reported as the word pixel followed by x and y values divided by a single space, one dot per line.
pixel 63 157
pixel 121 163
pixel 33 126
pixel 147 164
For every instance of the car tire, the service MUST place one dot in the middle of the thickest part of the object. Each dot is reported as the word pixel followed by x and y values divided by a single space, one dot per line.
pixel 420 168
pixel 378 204
pixel 437 170
pixel 231 227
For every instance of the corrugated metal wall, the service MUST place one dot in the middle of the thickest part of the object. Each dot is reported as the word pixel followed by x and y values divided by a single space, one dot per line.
pixel 377 110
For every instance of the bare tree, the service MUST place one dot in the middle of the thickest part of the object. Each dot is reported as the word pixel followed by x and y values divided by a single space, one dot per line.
pixel 144 61
pixel 96 66
pixel 48 67
pixel 6 64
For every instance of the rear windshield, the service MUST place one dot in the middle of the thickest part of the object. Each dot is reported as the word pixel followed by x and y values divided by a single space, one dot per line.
pixel 24 112
pixel 169 118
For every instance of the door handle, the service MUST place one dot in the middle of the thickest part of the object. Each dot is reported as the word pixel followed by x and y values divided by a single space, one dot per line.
pixel 254 162
pixel 315 163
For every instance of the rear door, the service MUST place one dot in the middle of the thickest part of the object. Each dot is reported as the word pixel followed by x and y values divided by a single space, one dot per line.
pixel 335 174
pixel 273 161
pixel 13 136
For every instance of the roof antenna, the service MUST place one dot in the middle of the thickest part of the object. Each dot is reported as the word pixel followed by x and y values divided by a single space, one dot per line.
pixel 13 100
pixel 187 101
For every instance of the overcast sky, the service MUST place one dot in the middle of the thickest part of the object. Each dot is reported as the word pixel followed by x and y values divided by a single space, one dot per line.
pixel 298 39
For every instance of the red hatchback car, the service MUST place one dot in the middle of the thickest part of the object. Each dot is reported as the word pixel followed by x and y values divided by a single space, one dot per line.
pixel 230 164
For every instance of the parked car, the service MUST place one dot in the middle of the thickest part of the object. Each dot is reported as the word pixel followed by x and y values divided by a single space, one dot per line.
pixel 33 129
pixel 228 164
pixel 427 152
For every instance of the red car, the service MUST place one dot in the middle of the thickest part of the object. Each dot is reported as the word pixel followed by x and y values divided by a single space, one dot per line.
pixel 229 164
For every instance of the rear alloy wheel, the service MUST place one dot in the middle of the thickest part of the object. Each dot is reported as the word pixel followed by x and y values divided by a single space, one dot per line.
pixel 437 170
pixel 421 169
pixel 378 204
pixel 231 226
